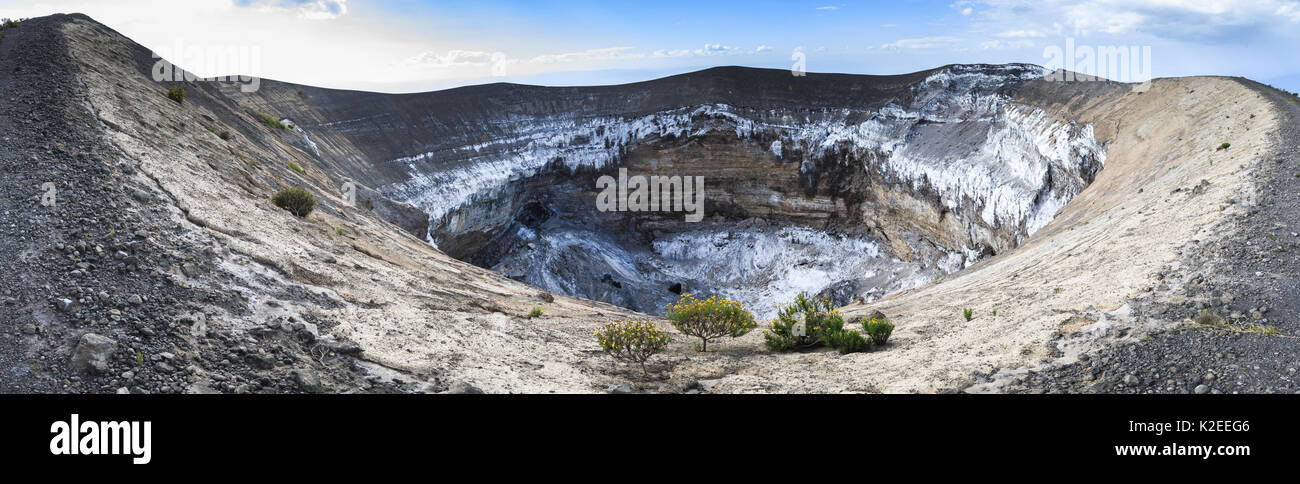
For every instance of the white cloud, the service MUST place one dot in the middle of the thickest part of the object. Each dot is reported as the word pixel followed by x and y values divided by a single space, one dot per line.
pixel 710 49
pixel 998 44
pixel 1290 11
pixel 829 7
pixel 672 53
pixel 608 53
pixel 924 43
pixel 455 58
pixel 1020 34
pixel 1174 19
pixel 308 9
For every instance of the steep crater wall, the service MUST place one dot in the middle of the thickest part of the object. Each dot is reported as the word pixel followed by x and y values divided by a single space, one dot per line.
pixel 855 201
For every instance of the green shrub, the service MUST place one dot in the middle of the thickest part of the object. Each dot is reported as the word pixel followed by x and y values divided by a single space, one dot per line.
pixel 1224 146
pixel 296 200
pixel 968 313
pixel 294 166
pixel 7 23
pixel 808 323
pixel 176 93
pixel 800 324
pixel 340 231
pixel 271 121
pixel 537 312
pixel 878 328
pixel 225 135
pixel 634 341
pixel 710 319
pixel 846 341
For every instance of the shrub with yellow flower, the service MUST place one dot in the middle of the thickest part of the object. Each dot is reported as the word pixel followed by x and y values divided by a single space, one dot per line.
pixel 634 341
pixel 878 327
pixel 710 319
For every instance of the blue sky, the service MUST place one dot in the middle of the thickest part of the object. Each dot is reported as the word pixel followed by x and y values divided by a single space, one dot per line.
pixel 409 45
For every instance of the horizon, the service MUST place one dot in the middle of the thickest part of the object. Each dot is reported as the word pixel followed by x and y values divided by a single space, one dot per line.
pixel 399 46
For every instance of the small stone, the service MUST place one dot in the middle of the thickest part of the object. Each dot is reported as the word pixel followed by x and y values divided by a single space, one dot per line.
pixel 123 391
pixel 307 380
pixel 260 361
pixel 135 299
pixel 1131 380
pixel 29 328
pixel 462 388
pixel 620 389
pixel 92 353
pixel 1202 389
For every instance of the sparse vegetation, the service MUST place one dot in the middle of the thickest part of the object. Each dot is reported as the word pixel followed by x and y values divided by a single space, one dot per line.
pixel 340 231
pixel 294 166
pixel 968 313
pixel 1207 318
pixel 537 312
pixel 710 318
pixel 807 323
pixel 845 341
pixel 8 23
pixel 225 135
pixel 176 93
pixel 271 121
pixel 297 201
pixel 879 329
pixel 634 341
pixel 800 324
pixel 1224 146
pixel 1260 329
